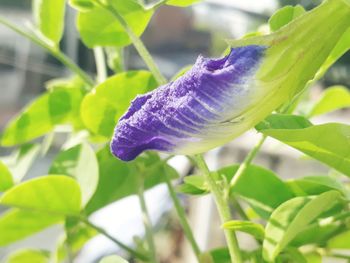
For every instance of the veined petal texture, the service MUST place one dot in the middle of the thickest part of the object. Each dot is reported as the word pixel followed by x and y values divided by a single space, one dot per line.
pixel 196 112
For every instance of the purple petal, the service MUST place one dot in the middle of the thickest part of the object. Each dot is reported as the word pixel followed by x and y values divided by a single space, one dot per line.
pixel 178 115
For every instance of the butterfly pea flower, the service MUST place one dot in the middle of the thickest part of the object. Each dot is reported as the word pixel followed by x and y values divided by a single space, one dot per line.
pixel 219 99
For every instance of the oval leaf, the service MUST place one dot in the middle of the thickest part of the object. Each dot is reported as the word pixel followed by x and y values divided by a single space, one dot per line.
pixel 328 143
pixel 98 27
pixel 102 108
pixel 292 217
pixel 81 163
pixel 49 18
pixel 285 15
pixel 57 106
pixel 17 224
pixel 54 194
pixel 333 98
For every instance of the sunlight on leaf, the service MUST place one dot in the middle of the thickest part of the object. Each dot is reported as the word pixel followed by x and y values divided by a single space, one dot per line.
pixel 333 98
pixel 17 224
pixel 29 256
pixel 284 15
pixel 328 143
pixel 6 180
pixel 49 18
pixel 98 27
pixel 57 106
pixel 56 194
pixel 291 217
pixel 81 163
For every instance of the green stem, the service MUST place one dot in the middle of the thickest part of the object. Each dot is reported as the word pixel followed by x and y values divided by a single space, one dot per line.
pixel 247 161
pixel 52 50
pixel 182 216
pixel 146 220
pixel 100 64
pixel 116 241
pixel 222 205
pixel 140 47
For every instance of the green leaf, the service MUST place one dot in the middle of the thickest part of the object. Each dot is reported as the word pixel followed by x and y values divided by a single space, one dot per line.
pixel 314 185
pixel 341 241
pixel 82 5
pixel 115 58
pixel 28 256
pixel 263 181
pixel 113 259
pixel 6 180
pixel 328 143
pixel 17 224
pixel 248 227
pixel 76 235
pixel 118 179
pixel 182 2
pixel 81 163
pixel 285 15
pixel 98 27
pixel 332 99
pixel 340 49
pixel 53 194
pixel 313 257
pixel 21 160
pixel 49 18
pixel 292 217
pixel 256 185
pixel 102 108
pixel 57 106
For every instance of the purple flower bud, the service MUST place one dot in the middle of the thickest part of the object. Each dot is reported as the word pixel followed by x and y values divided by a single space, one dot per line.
pixel 196 112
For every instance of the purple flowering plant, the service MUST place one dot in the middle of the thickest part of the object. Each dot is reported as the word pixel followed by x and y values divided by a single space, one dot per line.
pixel 125 127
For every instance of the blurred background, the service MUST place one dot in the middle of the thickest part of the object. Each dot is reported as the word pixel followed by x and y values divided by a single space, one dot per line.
pixel 175 36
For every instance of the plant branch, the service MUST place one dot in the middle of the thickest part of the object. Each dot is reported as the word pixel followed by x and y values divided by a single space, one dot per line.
pixel 52 50
pixel 140 47
pixel 133 252
pixel 247 161
pixel 222 205
pixel 146 218
pixel 182 216
pixel 100 64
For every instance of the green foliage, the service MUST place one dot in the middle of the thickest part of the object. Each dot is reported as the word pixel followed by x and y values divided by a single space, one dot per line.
pixel 55 194
pixel 6 180
pixel 29 256
pixel 105 104
pixel 332 99
pixel 341 241
pixel 49 18
pixel 309 211
pixel 56 106
pixel 119 179
pixel 248 227
pixel 81 163
pixel 328 143
pixel 292 217
pixel 98 26
pixel 21 160
pixel 16 224
pixel 284 15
